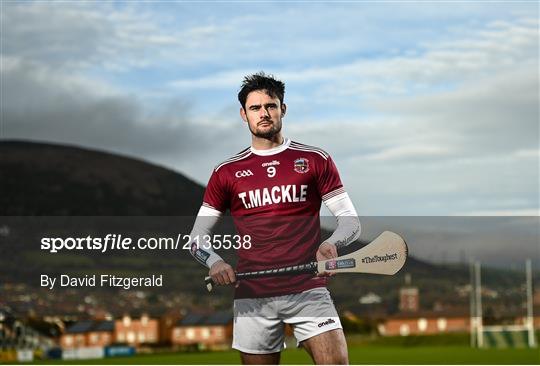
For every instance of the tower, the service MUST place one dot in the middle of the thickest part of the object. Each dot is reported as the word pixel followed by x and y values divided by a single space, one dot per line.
pixel 409 300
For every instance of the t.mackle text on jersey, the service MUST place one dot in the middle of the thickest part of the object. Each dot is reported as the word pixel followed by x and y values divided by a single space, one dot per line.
pixel 277 194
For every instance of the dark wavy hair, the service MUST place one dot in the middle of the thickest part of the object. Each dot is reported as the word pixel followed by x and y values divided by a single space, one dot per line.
pixel 260 81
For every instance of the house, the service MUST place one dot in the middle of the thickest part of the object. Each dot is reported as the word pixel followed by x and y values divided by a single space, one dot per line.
pixel 136 330
pixel 133 331
pixel 425 323
pixel 411 320
pixel 88 333
pixel 102 334
pixel 204 331
pixel 166 324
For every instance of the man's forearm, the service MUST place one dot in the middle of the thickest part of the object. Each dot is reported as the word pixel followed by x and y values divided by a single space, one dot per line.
pixel 348 228
pixel 206 221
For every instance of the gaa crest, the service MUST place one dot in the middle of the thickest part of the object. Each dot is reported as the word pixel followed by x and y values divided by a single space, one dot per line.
pixel 301 165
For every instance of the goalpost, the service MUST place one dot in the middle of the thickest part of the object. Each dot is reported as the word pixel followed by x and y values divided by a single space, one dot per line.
pixel 499 335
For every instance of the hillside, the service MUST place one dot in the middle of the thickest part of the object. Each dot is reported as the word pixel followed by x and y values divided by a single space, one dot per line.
pixel 51 180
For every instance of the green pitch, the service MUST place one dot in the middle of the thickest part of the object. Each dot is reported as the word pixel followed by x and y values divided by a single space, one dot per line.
pixel 357 354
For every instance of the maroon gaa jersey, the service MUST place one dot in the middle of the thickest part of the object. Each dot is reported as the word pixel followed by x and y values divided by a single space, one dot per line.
pixel 275 197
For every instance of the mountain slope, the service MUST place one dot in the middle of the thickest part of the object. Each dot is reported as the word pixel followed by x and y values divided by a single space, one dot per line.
pixel 49 180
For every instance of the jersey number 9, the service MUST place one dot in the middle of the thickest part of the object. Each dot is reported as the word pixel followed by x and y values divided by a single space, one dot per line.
pixel 271 171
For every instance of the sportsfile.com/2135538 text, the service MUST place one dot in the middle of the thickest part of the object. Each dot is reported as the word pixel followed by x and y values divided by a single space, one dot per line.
pixel 111 242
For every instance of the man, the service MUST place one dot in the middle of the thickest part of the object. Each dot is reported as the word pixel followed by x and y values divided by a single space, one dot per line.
pixel 274 191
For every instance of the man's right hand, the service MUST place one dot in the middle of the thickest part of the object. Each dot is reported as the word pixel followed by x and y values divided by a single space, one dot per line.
pixel 222 273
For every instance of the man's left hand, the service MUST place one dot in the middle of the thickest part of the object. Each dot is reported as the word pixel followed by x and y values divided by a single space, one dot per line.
pixel 326 251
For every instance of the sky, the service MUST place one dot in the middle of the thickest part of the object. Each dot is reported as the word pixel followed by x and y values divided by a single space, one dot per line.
pixel 427 108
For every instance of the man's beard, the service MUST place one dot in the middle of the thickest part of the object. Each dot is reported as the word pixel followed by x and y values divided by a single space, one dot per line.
pixel 268 134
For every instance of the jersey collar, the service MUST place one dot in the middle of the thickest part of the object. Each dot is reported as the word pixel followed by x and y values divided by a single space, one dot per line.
pixel 274 150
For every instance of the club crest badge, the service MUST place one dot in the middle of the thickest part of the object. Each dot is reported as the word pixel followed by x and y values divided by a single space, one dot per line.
pixel 340 264
pixel 330 265
pixel 301 165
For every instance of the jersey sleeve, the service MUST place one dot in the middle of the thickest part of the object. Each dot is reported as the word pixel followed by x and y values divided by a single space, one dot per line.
pixel 328 180
pixel 216 195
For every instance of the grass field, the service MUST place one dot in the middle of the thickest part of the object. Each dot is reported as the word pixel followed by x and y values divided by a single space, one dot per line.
pixel 357 355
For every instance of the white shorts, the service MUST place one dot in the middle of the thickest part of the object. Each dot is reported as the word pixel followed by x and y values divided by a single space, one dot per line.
pixel 259 323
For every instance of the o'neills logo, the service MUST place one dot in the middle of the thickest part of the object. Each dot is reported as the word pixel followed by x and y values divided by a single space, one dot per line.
pixel 270 163
pixel 327 322
pixel 378 258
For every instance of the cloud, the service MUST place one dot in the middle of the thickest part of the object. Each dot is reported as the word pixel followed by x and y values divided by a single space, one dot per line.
pixel 524 212
pixel 479 119
pixel 98 36
pixel 50 106
pixel 498 46
pixel 424 110
pixel 473 149
pixel 495 115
